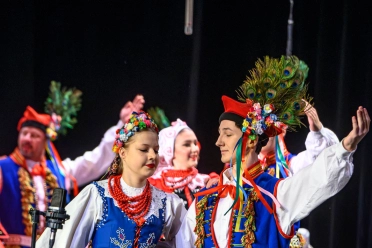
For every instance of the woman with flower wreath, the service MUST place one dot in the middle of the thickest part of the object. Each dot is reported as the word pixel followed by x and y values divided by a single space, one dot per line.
pixel 179 156
pixel 250 208
pixel 124 210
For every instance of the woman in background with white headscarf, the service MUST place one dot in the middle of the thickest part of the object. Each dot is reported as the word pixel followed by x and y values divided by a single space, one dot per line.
pixel 179 155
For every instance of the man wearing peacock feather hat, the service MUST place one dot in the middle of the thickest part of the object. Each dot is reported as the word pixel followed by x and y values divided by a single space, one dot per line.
pixel 29 175
pixel 250 208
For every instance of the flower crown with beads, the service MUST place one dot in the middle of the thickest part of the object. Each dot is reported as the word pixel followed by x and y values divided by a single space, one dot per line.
pixel 259 119
pixel 136 123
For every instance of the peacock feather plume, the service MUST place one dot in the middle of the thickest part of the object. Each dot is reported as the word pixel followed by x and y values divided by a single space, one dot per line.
pixel 281 83
pixel 63 104
pixel 159 117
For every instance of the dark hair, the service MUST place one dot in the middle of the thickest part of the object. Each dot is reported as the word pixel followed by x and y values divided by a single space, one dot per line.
pixel 238 120
pixel 36 124
pixel 262 139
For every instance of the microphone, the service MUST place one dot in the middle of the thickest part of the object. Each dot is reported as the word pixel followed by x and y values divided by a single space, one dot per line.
pixel 56 213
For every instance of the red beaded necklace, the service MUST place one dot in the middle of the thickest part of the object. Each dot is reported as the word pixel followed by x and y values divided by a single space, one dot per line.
pixel 185 177
pixel 135 207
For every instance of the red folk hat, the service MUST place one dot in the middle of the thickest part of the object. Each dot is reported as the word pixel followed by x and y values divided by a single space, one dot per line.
pixel 238 108
pixel 234 111
pixel 237 112
pixel 34 119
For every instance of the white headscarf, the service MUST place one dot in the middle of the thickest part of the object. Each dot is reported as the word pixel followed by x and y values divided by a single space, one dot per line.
pixel 167 137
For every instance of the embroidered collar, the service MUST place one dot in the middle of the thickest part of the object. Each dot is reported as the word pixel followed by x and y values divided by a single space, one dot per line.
pixel 270 159
pixel 18 158
pixel 254 171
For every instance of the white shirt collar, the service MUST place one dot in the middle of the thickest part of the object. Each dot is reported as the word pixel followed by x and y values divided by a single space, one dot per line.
pixel 30 164
pixel 130 191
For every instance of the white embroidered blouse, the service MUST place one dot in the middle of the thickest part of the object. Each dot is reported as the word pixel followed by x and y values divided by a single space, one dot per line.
pixel 87 209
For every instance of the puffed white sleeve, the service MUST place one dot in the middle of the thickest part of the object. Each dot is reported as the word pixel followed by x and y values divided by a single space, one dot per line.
pixel 94 163
pixel 174 214
pixel 186 236
pixel 84 210
pixel 314 184
pixel 315 143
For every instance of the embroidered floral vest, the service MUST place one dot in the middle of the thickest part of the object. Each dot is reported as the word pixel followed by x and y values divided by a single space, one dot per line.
pixel 258 228
pixel 115 229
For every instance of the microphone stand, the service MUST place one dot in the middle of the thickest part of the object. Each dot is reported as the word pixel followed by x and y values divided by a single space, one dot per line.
pixel 54 220
pixel 35 219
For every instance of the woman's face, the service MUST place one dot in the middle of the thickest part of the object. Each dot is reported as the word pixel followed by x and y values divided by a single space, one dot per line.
pixel 140 157
pixel 186 150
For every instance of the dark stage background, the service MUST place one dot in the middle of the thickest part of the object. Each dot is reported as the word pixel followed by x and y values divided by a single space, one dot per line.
pixel 112 50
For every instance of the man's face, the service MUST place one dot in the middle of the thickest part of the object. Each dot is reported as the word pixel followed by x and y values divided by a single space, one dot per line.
pixel 229 136
pixel 31 143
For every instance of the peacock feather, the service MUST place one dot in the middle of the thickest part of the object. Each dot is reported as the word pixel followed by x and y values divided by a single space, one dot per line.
pixel 63 104
pixel 159 117
pixel 281 83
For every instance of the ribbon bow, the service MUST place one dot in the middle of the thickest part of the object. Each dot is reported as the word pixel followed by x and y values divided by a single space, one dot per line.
pixel 38 170
pixel 223 191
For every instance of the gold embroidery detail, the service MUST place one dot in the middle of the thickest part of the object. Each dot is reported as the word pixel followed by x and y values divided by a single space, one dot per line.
pixel 298 241
pixel 201 206
pixel 250 225
pixel 27 198
pixel 271 171
pixel 51 183
pixel 28 195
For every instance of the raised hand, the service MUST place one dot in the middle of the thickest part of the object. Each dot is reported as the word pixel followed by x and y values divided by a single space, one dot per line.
pixel 126 111
pixel 361 124
pixel 129 107
pixel 313 118
pixel 138 103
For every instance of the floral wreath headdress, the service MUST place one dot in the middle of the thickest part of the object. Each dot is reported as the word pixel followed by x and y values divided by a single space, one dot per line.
pixel 273 95
pixel 136 123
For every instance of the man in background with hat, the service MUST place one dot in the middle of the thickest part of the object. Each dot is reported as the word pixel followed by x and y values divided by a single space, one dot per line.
pixel 28 177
